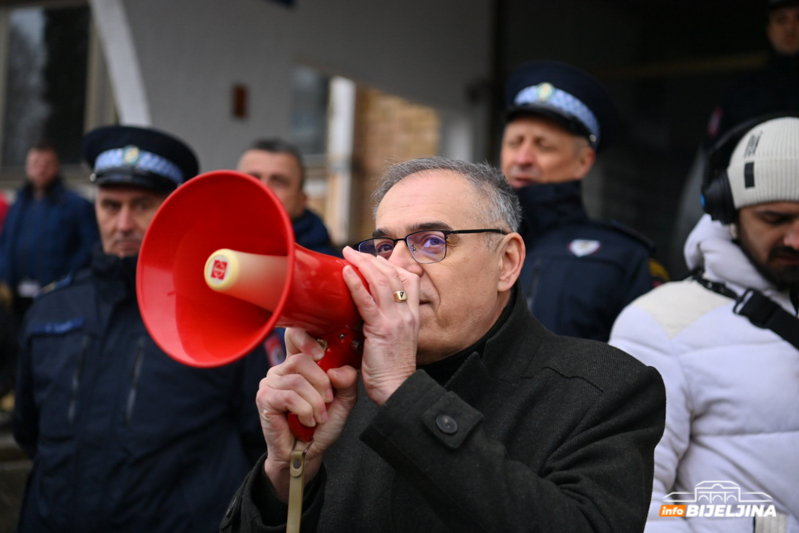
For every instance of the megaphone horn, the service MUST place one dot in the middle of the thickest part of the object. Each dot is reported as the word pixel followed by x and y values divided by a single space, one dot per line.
pixel 219 269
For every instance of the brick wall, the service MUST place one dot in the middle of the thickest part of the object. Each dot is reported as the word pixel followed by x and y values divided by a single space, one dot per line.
pixel 388 129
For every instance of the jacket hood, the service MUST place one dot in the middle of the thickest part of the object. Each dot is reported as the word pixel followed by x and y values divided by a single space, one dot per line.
pixel 710 246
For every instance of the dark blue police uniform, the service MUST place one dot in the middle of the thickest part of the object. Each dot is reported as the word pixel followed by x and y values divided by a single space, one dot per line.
pixel 578 274
pixel 124 438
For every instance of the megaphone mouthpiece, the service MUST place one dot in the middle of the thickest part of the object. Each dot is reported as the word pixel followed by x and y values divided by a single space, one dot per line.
pixel 255 278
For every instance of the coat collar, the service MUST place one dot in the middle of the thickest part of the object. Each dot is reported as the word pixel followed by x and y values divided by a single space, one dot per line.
pixel 500 361
pixel 550 205
pixel 115 273
pixel 53 190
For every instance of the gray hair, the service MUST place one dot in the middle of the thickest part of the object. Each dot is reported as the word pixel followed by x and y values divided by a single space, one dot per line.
pixel 501 204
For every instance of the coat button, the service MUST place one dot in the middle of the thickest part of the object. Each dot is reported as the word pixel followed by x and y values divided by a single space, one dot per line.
pixel 447 424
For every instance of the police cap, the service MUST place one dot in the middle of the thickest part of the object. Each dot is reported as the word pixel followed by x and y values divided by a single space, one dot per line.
pixel 139 157
pixel 565 94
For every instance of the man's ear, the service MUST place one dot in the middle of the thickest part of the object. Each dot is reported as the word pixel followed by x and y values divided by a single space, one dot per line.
pixel 584 160
pixel 511 259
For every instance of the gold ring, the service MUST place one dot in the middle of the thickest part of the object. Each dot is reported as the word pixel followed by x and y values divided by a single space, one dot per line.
pixel 400 296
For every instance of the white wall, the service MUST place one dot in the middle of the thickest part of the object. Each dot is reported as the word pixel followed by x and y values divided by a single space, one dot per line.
pixel 191 52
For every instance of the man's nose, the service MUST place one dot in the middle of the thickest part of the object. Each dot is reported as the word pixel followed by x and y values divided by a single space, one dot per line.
pixel 792 236
pixel 401 256
pixel 125 222
pixel 525 155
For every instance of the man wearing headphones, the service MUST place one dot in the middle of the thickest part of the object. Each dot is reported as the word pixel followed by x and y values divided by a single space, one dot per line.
pixel 726 342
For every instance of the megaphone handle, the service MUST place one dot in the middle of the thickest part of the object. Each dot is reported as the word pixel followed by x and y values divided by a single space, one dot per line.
pixel 343 348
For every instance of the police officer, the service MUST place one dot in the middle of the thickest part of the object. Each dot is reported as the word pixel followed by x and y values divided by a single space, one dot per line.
pixel 579 273
pixel 124 438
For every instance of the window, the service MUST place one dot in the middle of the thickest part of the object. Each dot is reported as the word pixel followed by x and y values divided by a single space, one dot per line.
pixel 53 85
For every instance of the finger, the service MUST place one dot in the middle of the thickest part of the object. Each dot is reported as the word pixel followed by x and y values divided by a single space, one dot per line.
pixel 345 380
pixel 367 307
pixel 292 393
pixel 407 281
pixel 302 365
pixel 383 280
pixel 300 341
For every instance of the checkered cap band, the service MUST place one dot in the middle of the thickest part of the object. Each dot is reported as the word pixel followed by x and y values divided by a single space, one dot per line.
pixel 147 161
pixel 562 102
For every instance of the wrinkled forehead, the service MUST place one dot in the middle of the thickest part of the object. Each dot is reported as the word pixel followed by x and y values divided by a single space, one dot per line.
pixel 430 196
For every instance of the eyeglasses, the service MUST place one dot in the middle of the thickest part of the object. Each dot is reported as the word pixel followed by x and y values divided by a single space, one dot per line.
pixel 426 246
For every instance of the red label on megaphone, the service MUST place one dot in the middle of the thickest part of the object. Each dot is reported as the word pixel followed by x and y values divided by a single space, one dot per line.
pixel 220 267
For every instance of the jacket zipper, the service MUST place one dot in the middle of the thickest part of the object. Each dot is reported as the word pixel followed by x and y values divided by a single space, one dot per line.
pixel 134 381
pixel 73 403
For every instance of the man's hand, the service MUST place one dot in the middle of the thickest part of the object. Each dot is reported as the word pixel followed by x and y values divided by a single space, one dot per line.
pixel 391 328
pixel 318 398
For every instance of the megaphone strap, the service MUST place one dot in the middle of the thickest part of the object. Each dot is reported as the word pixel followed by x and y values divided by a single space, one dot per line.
pixel 296 487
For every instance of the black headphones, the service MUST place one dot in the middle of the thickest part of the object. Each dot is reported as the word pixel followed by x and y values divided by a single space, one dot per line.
pixel 716 191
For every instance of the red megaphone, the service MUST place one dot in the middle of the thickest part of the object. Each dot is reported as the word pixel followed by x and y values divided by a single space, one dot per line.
pixel 219 269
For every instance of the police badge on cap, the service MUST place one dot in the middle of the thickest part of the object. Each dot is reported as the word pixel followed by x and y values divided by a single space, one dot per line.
pixel 138 157
pixel 564 94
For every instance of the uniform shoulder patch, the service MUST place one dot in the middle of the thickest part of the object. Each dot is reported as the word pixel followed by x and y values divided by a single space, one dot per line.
pixel 66 281
pixel 658 272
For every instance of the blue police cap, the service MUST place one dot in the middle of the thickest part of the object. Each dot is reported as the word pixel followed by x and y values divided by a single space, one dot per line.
pixel 139 157
pixel 564 94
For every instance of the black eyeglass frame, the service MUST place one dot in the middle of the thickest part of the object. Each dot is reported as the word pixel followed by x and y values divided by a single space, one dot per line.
pixel 446 232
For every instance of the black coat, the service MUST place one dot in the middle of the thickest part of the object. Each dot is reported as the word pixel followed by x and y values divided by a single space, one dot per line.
pixel 124 438
pixel 773 90
pixel 554 434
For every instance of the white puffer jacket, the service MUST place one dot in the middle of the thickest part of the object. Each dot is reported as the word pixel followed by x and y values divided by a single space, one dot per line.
pixel 732 389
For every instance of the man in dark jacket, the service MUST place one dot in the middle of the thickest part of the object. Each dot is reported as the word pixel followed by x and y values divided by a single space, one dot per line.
pixel 469 415
pixel 123 438
pixel 579 273
pixel 774 89
pixel 279 165
pixel 49 230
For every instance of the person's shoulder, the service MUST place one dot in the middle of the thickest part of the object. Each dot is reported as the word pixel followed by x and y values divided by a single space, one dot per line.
pixel 61 306
pixel 74 198
pixel 678 304
pixel 74 281
pixel 595 362
pixel 620 235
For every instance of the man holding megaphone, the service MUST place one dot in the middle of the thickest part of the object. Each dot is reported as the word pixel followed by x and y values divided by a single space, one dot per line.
pixel 469 415
pixel 124 438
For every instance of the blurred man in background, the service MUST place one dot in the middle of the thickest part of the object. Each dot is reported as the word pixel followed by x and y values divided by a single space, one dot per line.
pixel 49 231
pixel 579 273
pixel 774 89
pixel 123 437
pixel 279 165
